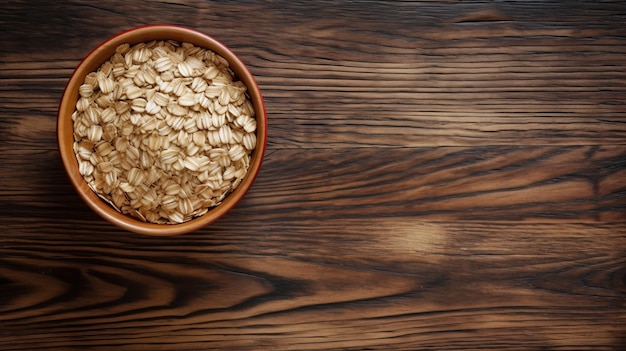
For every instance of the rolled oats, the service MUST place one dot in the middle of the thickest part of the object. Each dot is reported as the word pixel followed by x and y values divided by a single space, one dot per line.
pixel 163 131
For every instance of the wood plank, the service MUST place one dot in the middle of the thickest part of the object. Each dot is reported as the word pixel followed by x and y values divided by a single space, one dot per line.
pixel 410 284
pixel 428 78
pixel 494 183
pixel 498 183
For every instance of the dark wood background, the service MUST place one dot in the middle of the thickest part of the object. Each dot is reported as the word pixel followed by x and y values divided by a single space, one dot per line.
pixel 440 175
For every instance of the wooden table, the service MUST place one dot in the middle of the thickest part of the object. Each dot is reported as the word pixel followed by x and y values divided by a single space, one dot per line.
pixel 440 175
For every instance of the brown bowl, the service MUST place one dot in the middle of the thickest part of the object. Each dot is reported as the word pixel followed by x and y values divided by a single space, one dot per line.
pixel 66 139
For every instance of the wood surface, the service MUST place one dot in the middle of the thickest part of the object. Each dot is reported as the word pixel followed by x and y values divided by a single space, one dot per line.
pixel 440 175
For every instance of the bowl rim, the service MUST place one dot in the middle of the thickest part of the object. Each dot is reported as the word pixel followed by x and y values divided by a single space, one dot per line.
pixel 67 104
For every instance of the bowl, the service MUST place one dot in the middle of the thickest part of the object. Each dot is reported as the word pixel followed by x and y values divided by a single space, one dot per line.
pixel 65 128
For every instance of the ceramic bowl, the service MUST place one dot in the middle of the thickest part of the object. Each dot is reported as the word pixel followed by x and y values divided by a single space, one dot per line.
pixel 66 139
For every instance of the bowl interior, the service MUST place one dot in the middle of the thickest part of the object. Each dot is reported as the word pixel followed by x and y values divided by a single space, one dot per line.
pixel 66 139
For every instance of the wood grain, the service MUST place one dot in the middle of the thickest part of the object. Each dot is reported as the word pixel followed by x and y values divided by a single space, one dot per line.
pixel 428 78
pixel 288 285
pixel 538 183
pixel 440 175
pixel 504 183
